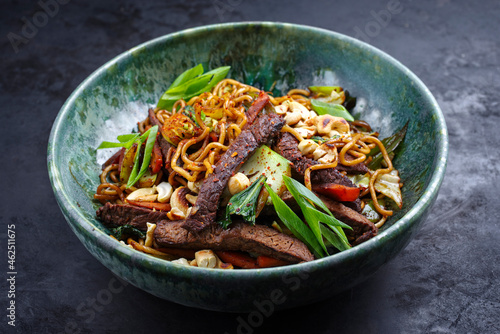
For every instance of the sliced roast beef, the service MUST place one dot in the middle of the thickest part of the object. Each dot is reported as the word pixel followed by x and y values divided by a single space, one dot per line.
pixel 257 239
pixel 115 158
pixel 354 169
pixel 113 215
pixel 287 146
pixel 259 132
pixel 256 108
pixel 362 228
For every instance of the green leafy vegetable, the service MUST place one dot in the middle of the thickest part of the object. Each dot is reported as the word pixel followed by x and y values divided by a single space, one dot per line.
pixel 191 86
pixel 218 74
pixel 244 203
pixel 336 110
pixel 312 233
pixel 318 139
pixel 191 83
pixel 125 231
pixel 370 212
pixel 325 90
pixel 127 138
pixel 390 144
pixel 388 184
pixel 360 180
pixel 136 174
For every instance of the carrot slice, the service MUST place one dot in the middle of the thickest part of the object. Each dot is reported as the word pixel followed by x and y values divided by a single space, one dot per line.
pixel 151 205
pixel 237 259
pixel 267 262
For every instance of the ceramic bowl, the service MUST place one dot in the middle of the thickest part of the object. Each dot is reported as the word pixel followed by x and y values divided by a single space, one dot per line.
pixel 117 95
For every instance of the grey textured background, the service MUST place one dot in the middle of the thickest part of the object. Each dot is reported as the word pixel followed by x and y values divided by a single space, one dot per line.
pixel 445 281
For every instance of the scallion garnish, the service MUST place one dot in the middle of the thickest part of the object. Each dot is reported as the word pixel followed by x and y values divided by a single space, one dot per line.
pixel 304 197
pixel 295 224
pixel 123 141
pixel 313 233
pixel 150 141
pixel 134 138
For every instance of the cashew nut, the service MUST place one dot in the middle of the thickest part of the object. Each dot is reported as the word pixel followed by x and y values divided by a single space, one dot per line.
pixel 182 261
pixel 318 153
pixel 281 109
pixel 238 183
pixel 195 186
pixel 165 191
pixel 143 195
pixel 297 107
pixel 331 153
pixel 191 198
pixel 306 131
pixel 179 203
pixel 307 146
pixel 149 234
pixel 292 118
pixel 206 258
pixel 330 125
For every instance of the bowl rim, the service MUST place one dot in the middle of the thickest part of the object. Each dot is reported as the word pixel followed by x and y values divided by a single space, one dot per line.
pixel 71 211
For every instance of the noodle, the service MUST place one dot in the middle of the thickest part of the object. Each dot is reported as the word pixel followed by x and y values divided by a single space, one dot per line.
pixel 294 132
pixel 107 170
pixel 360 156
pixel 378 172
pixel 218 117
pixel 208 148
pixel 307 173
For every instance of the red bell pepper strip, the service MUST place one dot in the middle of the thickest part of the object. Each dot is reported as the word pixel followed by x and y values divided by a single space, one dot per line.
pixel 337 192
pixel 156 158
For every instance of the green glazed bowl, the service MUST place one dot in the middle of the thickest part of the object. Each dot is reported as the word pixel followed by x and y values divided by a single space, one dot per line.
pixel 279 55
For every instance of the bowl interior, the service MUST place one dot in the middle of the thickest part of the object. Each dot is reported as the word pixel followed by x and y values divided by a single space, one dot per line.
pixel 268 55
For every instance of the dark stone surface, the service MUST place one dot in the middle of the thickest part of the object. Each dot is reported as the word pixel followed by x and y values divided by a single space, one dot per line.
pixel 446 281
